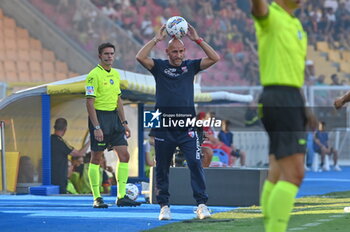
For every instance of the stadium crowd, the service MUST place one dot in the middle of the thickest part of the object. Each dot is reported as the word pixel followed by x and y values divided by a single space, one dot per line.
pixel 327 20
pixel 225 24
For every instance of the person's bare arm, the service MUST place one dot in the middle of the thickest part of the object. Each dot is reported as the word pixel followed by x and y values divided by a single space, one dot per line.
pixel 93 118
pixel 82 151
pixel 339 102
pixel 212 56
pixel 149 160
pixel 122 116
pixel 311 118
pixel 143 55
pixel 260 8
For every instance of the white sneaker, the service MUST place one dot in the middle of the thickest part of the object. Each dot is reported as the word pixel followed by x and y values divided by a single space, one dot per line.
pixel 306 168
pixel 325 168
pixel 165 213
pixel 337 168
pixel 203 212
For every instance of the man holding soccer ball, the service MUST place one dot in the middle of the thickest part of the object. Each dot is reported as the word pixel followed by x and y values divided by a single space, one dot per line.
pixel 175 94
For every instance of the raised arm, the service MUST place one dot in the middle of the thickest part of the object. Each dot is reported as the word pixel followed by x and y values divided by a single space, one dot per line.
pixel 212 56
pixel 143 55
pixel 339 102
pixel 260 8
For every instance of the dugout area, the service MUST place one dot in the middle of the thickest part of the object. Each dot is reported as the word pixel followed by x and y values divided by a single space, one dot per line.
pixel 29 116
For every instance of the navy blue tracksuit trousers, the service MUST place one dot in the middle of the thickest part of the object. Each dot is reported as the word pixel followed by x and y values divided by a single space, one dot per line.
pixel 165 143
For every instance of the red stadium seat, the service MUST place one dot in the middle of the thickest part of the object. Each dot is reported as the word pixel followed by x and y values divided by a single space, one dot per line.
pixel 9 33
pixel 9 23
pixel 2 46
pixel 22 33
pixel 11 54
pixel 2 71
pixel 23 55
pixel 35 66
pixel 36 76
pixel 36 55
pixel 48 67
pixel 1 28
pixel 11 76
pixel 23 44
pixel 10 66
pixel 49 77
pixel 24 76
pixel 73 74
pixel 23 66
pixel 10 44
pixel 61 67
pixel 61 76
pixel 2 55
pixel 35 44
pixel 48 55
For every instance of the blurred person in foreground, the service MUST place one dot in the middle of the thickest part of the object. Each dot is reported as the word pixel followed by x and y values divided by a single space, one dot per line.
pixel 107 125
pixel 282 44
pixel 174 79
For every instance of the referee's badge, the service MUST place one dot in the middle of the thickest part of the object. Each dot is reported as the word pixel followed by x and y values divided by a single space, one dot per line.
pixel 300 35
pixel 111 81
pixel 90 90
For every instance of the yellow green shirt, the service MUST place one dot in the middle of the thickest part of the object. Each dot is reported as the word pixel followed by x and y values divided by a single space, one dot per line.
pixel 282 45
pixel 104 86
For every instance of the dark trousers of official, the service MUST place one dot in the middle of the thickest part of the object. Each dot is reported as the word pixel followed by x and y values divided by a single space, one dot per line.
pixel 165 144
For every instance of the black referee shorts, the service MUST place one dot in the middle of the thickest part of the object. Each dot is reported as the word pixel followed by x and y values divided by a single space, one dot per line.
pixel 282 111
pixel 113 131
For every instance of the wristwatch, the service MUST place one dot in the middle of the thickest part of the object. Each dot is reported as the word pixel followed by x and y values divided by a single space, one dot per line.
pixel 125 122
pixel 97 127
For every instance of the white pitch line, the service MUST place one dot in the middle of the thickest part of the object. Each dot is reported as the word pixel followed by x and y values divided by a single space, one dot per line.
pixel 297 228
pixel 312 224
pixel 319 222
pixel 325 220
pixel 337 216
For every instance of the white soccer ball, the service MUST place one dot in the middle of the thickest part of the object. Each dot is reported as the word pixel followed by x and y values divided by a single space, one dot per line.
pixel 132 191
pixel 176 27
